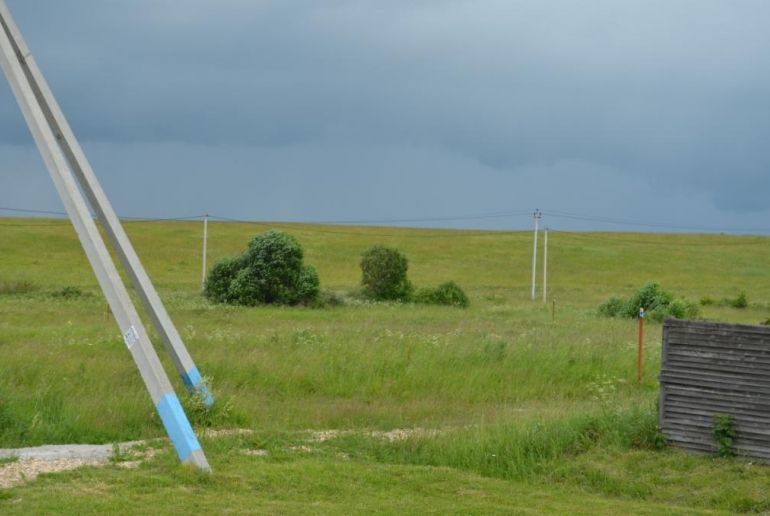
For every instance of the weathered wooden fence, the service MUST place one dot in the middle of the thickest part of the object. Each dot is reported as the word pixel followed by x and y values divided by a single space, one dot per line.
pixel 713 368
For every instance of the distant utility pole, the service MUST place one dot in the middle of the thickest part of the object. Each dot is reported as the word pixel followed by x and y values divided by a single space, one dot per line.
pixel 545 266
pixel 205 248
pixel 536 216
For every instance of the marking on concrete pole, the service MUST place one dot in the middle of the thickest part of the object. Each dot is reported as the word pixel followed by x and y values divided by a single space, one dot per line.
pixel 131 337
pixel 14 58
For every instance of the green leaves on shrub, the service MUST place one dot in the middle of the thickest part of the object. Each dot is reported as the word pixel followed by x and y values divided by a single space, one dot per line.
pixel 384 279
pixel 650 297
pixel 220 278
pixel 739 302
pixel 384 274
pixel 724 434
pixel 613 307
pixel 449 294
pixel 271 271
pixel 658 304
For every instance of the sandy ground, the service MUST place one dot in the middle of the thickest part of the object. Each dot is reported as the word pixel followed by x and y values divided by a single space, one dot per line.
pixel 27 463
pixel 20 465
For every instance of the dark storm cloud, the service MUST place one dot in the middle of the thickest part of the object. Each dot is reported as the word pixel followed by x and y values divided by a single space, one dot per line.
pixel 517 103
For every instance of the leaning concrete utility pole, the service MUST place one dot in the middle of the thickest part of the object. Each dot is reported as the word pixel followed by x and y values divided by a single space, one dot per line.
pixel 73 178
pixel 79 165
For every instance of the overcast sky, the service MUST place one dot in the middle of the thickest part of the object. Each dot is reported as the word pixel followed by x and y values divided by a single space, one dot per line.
pixel 643 111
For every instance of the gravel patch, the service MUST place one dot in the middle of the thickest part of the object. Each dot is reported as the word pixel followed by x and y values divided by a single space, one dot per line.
pixel 31 462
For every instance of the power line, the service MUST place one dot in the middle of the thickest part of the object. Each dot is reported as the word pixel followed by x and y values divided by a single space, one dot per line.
pixel 759 240
pixel 478 216
pixel 658 225
pixel 449 233
pixel 39 212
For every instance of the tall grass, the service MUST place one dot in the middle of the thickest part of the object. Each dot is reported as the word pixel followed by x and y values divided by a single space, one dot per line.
pixel 516 451
pixel 65 374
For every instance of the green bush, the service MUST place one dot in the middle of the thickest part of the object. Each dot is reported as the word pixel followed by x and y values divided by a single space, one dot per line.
pixel 740 301
pixel 384 274
pixel 271 271
pixel 682 309
pixel 217 287
pixel 308 284
pixel 650 297
pixel 449 294
pixel 613 307
pixel 723 433
pixel 657 303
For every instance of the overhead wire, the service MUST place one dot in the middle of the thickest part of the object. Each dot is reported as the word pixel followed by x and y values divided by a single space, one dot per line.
pixel 657 225
pixel 318 227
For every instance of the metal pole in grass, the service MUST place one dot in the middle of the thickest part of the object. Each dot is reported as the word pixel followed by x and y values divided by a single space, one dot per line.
pixel 545 266
pixel 640 353
pixel 536 216
pixel 73 180
pixel 205 248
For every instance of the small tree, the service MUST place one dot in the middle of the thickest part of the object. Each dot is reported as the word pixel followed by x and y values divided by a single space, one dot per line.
pixel 270 271
pixel 384 274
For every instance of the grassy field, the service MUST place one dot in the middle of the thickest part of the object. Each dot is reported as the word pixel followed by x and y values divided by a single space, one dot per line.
pixel 502 407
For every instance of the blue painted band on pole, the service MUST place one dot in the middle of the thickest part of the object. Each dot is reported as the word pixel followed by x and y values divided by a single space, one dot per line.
pixel 194 383
pixel 177 426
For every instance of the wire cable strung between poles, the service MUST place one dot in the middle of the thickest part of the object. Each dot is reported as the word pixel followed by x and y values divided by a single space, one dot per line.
pixel 758 240
pixel 372 223
pixel 658 225
pixel 450 233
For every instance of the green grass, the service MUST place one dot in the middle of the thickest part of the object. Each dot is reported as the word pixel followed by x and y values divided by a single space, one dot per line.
pixel 539 413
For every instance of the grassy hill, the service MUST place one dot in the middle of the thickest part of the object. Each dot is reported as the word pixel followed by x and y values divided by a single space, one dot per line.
pixel 496 408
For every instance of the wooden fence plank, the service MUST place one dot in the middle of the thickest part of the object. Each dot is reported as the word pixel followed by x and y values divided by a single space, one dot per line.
pixel 715 368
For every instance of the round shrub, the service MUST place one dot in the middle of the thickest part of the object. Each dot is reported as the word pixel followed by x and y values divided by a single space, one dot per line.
pixel 384 274
pixel 449 294
pixel 681 309
pixel 649 297
pixel 658 304
pixel 613 307
pixel 270 271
